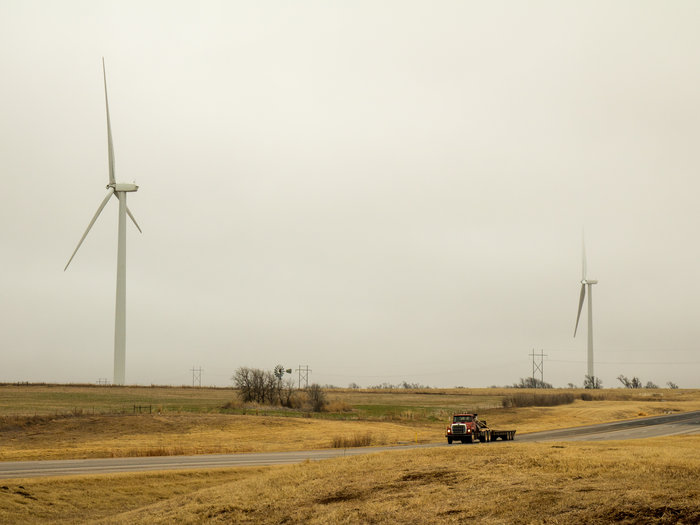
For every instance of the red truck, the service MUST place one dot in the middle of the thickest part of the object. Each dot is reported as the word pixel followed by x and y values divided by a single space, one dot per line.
pixel 467 428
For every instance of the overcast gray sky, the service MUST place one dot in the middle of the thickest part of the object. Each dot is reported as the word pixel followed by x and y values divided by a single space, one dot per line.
pixel 384 191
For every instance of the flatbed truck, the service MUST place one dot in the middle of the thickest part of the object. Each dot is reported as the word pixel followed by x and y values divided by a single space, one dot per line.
pixel 467 428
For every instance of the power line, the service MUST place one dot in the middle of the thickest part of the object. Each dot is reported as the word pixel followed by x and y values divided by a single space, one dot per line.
pixel 538 366
pixel 485 366
pixel 197 375
pixel 630 362
pixel 304 373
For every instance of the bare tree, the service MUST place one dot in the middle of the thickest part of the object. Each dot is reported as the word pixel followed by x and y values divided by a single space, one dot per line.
pixel 260 386
pixel 630 383
pixel 622 379
pixel 592 382
pixel 317 397
pixel 287 390
pixel 671 385
pixel 242 380
pixel 532 382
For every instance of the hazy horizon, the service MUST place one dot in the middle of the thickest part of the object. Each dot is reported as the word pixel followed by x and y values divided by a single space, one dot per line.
pixel 383 191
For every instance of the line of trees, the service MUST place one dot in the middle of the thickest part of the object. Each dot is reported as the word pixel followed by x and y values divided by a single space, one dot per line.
pixel 390 386
pixel 532 382
pixel 588 383
pixel 635 382
pixel 263 386
pixel 271 388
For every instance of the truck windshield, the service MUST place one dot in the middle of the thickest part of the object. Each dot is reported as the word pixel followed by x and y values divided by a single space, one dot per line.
pixel 462 419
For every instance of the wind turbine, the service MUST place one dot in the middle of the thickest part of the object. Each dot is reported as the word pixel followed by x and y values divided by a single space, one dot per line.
pixel 587 283
pixel 118 189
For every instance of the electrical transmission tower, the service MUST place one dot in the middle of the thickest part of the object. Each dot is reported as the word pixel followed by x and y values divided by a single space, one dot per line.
pixel 197 376
pixel 538 367
pixel 304 374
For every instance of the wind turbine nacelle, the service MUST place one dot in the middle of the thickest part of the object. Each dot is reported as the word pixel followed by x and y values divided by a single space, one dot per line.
pixel 124 186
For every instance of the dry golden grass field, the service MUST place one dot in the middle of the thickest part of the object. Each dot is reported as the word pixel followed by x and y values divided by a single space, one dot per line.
pixel 640 481
pixel 61 422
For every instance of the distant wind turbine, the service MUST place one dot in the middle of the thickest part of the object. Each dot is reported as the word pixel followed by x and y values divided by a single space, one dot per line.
pixel 118 189
pixel 587 283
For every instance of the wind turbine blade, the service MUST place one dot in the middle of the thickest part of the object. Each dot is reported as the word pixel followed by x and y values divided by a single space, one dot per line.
pixel 583 262
pixel 97 214
pixel 110 147
pixel 580 306
pixel 128 211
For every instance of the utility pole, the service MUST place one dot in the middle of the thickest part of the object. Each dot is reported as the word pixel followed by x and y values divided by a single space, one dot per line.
pixel 197 375
pixel 304 373
pixel 536 366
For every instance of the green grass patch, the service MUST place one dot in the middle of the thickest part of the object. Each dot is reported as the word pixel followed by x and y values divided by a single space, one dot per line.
pixel 59 399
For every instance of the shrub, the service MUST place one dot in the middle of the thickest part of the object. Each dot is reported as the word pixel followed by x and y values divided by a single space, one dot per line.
pixel 317 397
pixel 537 400
pixel 229 405
pixel 532 382
pixel 297 400
pixel 357 440
pixel 585 396
pixel 338 405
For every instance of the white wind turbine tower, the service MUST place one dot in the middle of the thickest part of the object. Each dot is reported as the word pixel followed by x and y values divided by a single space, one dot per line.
pixel 118 189
pixel 587 283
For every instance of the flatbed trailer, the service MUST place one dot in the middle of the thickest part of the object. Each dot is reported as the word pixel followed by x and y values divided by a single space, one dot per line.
pixel 504 435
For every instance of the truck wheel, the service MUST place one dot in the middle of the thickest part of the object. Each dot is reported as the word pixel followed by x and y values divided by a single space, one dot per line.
pixel 449 441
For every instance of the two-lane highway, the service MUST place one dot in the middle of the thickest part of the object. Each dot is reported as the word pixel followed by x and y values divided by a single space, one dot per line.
pixel 666 425
pixel 655 426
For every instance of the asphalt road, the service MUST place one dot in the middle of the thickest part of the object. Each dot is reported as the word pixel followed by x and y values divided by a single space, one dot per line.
pixel 656 426
pixel 668 425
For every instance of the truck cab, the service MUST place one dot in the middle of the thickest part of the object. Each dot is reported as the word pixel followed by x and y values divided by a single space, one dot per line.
pixel 464 428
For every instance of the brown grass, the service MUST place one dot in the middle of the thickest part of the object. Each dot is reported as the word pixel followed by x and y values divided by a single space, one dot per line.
pixel 356 440
pixel 186 434
pixel 537 399
pixel 592 483
pixel 338 405
pixel 412 417
pixel 639 481
pixel 81 499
